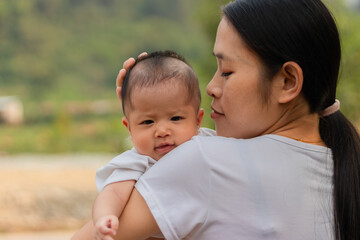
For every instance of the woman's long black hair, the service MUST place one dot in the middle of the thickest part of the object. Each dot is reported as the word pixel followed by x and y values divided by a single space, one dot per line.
pixel 304 31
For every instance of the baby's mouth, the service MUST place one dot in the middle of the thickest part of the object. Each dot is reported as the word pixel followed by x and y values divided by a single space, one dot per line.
pixel 164 148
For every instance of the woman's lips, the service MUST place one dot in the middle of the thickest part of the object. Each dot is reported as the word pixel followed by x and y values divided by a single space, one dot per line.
pixel 164 148
pixel 215 114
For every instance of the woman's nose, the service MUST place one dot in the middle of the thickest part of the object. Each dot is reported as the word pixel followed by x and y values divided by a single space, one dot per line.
pixel 213 88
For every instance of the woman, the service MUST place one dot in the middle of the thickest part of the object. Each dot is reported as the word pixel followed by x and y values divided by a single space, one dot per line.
pixel 285 164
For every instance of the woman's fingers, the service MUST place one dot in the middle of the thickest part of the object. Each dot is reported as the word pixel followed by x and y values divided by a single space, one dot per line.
pixel 122 73
pixel 128 63
pixel 120 77
pixel 142 54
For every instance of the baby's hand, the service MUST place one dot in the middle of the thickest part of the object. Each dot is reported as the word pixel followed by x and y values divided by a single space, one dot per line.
pixel 122 73
pixel 106 227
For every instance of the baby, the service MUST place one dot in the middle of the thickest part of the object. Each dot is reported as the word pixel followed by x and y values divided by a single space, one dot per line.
pixel 161 102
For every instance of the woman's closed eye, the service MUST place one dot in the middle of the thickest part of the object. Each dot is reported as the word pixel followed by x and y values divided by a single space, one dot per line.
pixel 147 122
pixel 226 74
pixel 176 118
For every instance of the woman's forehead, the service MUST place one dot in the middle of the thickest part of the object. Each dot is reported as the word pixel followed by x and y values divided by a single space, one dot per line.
pixel 230 47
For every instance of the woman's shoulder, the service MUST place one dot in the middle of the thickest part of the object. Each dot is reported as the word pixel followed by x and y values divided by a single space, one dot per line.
pixel 262 147
pixel 261 141
pixel 218 143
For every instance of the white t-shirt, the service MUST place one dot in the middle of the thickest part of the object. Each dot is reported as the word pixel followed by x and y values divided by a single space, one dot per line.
pixel 130 165
pixel 269 187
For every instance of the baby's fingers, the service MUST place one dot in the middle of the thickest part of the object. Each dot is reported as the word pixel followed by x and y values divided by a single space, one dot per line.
pixel 115 226
pixel 106 230
pixel 107 237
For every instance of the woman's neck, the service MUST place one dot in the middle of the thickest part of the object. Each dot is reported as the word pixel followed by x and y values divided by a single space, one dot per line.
pixel 297 123
pixel 305 129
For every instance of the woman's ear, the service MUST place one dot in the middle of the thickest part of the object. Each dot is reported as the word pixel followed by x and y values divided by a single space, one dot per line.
pixel 291 82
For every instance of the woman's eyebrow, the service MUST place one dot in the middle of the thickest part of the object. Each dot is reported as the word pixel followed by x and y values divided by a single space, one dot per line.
pixel 221 56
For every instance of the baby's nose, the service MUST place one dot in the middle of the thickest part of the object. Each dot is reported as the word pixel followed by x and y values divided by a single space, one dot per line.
pixel 162 131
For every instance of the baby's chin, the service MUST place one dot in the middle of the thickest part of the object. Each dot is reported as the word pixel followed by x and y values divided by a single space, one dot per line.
pixel 155 157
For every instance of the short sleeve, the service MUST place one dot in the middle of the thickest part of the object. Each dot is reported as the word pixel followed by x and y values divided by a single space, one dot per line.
pixel 129 165
pixel 177 189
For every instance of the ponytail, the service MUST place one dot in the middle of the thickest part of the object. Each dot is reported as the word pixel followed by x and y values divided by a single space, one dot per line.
pixel 341 137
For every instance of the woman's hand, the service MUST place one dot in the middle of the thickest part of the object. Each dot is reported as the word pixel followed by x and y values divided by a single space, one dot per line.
pixel 122 73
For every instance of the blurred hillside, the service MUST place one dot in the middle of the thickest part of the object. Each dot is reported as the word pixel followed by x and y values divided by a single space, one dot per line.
pixel 61 57
pixel 66 50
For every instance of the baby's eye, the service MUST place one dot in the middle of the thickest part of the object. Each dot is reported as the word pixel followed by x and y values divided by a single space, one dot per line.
pixel 176 118
pixel 147 122
pixel 226 74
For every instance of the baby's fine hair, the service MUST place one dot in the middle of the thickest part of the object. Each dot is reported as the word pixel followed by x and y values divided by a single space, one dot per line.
pixel 156 68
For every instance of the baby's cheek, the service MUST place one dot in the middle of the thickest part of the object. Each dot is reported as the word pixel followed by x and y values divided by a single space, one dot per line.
pixel 188 134
pixel 142 144
pixel 142 147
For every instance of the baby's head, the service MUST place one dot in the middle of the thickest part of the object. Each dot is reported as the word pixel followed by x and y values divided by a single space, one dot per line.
pixel 161 103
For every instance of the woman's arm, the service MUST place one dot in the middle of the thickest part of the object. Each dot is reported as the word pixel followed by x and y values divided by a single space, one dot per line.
pixel 136 221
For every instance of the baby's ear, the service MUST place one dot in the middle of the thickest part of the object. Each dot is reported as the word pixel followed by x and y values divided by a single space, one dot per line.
pixel 200 116
pixel 126 123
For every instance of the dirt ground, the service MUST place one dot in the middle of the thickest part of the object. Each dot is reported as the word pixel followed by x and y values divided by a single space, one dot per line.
pixel 47 197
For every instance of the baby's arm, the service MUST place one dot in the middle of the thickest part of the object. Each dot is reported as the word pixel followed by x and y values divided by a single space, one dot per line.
pixel 108 206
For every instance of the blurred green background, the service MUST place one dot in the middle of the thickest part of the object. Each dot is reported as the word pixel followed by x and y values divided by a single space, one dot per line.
pixel 61 58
